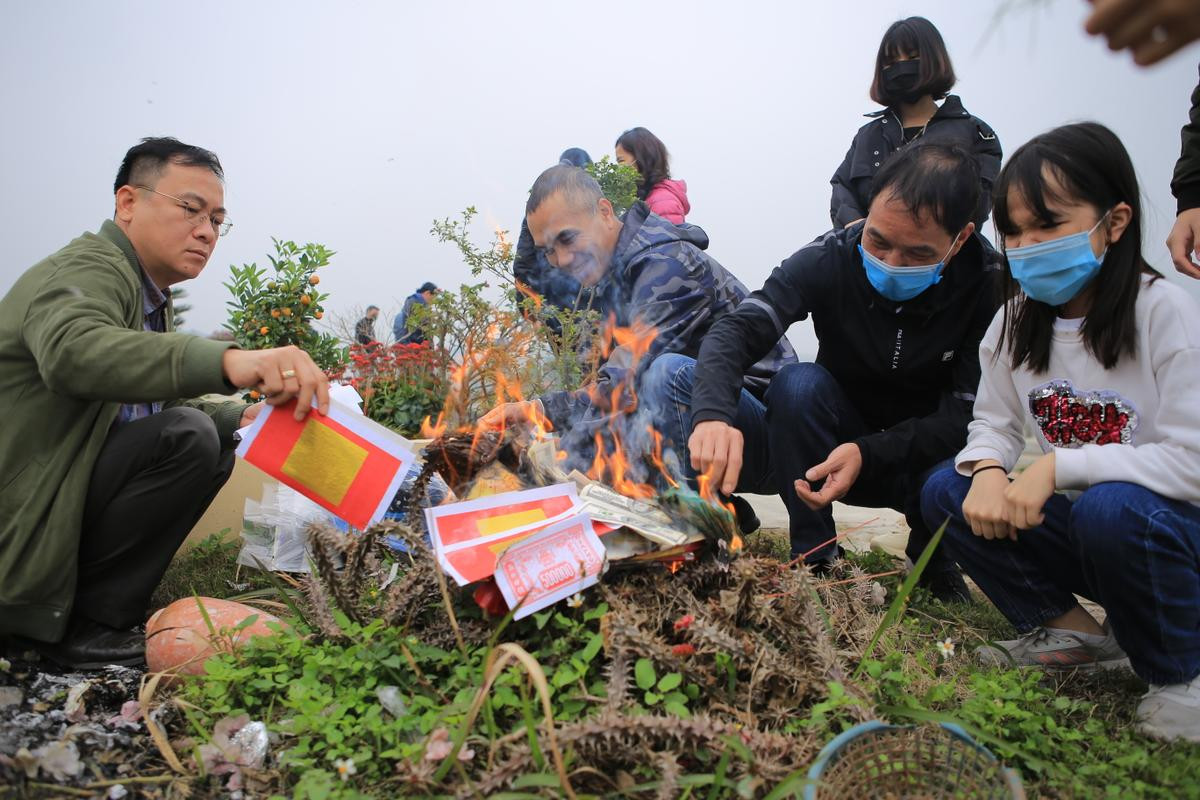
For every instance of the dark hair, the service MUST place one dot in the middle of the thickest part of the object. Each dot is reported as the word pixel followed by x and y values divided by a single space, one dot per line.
pixel 575 157
pixel 906 37
pixel 1091 165
pixel 580 188
pixel 372 308
pixel 653 161
pixel 144 162
pixel 427 286
pixel 938 178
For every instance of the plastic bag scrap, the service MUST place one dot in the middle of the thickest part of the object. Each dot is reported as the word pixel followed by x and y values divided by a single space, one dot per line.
pixel 273 529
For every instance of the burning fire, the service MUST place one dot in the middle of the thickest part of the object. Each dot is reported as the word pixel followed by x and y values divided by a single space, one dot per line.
pixel 709 494
pixel 433 430
pixel 625 460
pixel 656 457
pixel 531 294
pixel 613 468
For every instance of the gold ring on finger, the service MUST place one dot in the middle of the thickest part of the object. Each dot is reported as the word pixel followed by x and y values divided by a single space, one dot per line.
pixel 288 373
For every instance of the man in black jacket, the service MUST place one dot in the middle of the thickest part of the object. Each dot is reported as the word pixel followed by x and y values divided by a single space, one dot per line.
pixel 899 303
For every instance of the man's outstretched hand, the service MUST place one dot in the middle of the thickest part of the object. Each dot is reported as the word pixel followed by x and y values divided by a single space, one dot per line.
pixel 840 471
pixel 514 415
pixel 280 373
pixel 716 451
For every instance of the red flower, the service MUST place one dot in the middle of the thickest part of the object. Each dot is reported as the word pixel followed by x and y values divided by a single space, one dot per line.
pixel 684 622
pixel 489 598
pixel 682 650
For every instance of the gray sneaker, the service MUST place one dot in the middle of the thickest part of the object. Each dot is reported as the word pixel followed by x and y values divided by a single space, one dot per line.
pixel 1055 649
pixel 1171 712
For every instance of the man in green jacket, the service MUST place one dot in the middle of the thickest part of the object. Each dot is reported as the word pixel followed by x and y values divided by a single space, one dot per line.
pixel 103 468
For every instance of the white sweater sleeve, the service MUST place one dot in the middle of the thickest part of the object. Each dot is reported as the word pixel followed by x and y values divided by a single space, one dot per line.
pixel 1170 466
pixel 997 431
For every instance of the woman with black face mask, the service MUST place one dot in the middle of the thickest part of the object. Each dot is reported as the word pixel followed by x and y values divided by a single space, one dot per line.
pixel 912 73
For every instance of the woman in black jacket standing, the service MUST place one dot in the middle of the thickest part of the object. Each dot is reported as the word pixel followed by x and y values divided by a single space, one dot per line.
pixel 912 72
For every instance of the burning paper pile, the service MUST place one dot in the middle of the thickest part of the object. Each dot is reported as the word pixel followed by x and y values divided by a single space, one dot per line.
pixel 545 543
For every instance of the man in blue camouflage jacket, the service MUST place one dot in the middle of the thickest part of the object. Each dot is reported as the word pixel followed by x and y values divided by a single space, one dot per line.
pixel 653 275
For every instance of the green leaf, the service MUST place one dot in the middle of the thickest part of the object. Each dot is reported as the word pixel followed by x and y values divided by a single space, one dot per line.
pixel 643 673
pixel 671 680
pixel 651 698
pixel 595 613
pixel 246 623
pixel 678 709
pixel 593 647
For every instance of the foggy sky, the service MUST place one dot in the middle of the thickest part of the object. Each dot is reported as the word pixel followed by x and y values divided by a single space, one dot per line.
pixel 355 125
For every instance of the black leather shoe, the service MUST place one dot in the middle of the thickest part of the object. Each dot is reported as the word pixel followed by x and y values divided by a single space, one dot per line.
pixel 748 522
pixel 946 585
pixel 90 645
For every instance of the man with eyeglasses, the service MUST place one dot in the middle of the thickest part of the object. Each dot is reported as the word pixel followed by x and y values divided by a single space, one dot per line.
pixel 103 468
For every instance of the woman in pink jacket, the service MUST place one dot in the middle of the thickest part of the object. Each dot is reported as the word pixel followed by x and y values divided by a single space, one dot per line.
pixel 645 152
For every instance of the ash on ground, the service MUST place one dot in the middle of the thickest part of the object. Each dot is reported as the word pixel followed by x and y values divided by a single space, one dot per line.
pixel 79 729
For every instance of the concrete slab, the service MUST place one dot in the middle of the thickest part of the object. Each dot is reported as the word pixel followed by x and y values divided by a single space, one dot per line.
pixel 226 510
pixel 864 523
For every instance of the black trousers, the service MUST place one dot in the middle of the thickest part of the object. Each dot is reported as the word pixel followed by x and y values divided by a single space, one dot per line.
pixel 152 482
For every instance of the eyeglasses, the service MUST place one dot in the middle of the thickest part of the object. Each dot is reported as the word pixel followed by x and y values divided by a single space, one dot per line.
pixel 195 216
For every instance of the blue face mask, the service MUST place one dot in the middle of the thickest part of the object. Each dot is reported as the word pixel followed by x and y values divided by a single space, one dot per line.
pixel 1055 271
pixel 901 283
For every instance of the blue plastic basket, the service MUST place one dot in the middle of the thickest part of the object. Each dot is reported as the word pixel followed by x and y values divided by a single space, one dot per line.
pixel 878 760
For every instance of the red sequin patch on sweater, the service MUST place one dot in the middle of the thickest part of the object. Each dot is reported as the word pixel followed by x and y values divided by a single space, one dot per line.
pixel 1070 418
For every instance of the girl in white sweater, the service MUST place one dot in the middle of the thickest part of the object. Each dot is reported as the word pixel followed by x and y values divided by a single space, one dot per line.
pixel 1100 355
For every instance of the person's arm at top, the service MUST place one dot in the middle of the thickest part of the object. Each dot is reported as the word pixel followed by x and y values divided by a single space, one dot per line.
pixel 1184 239
pixel 1151 29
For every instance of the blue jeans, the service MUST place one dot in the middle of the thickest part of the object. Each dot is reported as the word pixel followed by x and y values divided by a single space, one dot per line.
pixel 806 414
pixel 1131 550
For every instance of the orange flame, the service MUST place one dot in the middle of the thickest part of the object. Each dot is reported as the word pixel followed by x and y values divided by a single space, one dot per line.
pixel 656 457
pixel 510 391
pixel 434 430
pixel 636 339
pixel 531 294
pixel 613 469
pixel 709 494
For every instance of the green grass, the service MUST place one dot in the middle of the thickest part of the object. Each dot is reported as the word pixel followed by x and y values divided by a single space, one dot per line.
pixel 1069 736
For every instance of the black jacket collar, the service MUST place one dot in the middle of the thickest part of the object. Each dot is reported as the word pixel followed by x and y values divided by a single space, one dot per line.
pixel 951 108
